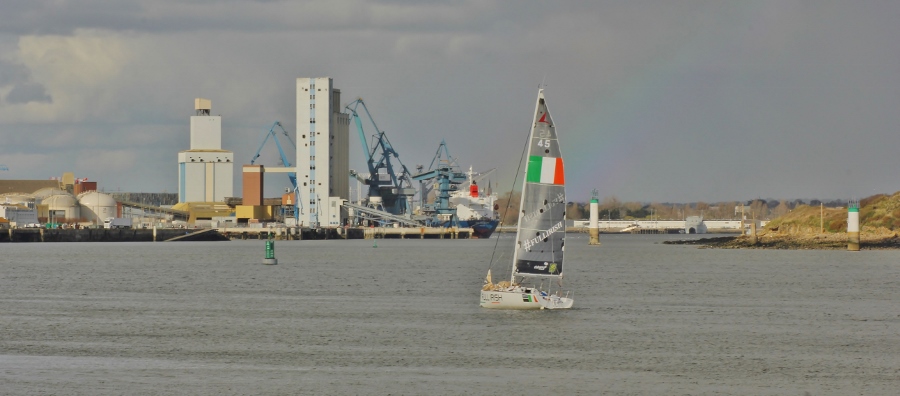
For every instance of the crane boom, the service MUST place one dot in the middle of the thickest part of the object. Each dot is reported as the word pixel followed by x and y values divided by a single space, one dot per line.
pixel 392 186
pixel 359 127
pixel 284 160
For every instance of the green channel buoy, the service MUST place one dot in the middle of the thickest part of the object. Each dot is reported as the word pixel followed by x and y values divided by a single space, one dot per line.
pixel 270 252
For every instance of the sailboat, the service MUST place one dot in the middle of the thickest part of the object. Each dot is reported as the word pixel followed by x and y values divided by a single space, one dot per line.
pixel 537 262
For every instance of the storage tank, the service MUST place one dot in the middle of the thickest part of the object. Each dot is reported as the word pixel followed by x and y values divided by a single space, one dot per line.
pixel 47 192
pixel 62 207
pixel 96 206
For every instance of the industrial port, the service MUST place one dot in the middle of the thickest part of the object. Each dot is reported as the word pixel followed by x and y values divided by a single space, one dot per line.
pixel 441 200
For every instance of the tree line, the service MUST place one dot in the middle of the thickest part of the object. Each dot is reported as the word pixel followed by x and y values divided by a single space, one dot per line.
pixel 613 209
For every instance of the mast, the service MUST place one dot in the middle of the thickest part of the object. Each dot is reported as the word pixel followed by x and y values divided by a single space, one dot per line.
pixel 537 104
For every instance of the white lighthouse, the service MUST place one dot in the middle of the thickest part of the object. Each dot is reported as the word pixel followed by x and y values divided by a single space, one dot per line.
pixel 853 226
pixel 594 227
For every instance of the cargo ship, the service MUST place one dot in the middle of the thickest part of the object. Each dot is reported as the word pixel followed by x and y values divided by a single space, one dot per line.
pixel 481 228
pixel 456 198
pixel 476 209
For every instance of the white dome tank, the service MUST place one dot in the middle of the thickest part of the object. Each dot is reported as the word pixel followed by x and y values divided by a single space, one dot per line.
pixel 63 203
pixel 49 191
pixel 96 206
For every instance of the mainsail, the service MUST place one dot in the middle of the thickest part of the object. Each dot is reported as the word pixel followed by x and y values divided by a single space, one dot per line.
pixel 540 235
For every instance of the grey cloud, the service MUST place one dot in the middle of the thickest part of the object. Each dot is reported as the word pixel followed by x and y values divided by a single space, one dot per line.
pixel 656 100
pixel 23 90
pixel 11 73
pixel 24 17
pixel 26 92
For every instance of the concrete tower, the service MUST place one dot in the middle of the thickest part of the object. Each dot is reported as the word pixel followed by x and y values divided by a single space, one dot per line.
pixel 323 153
pixel 205 172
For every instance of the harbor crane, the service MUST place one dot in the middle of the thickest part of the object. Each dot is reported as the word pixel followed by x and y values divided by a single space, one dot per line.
pixel 443 173
pixel 446 177
pixel 389 183
pixel 284 160
pixel 289 211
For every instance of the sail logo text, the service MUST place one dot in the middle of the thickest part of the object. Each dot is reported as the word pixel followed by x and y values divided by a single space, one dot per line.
pixel 531 242
pixel 560 198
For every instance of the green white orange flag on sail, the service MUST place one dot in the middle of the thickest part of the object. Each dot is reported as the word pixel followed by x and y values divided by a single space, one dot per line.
pixel 545 170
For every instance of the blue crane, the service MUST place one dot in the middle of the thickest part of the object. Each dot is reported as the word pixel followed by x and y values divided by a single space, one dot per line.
pixel 445 174
pixel 284 160
pixel 394 189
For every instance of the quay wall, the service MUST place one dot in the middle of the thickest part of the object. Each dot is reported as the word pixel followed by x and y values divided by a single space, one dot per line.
pixel 96 235
pixel 220 234
pixel 282 233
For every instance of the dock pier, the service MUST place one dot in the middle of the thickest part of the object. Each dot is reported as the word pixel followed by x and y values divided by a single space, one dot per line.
pixel 108 235
pixel 297 233
pixel 228 233
pixel 411 233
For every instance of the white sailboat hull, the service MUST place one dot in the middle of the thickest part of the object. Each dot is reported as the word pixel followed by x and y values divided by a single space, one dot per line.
pixel 522 299
pixel 556 302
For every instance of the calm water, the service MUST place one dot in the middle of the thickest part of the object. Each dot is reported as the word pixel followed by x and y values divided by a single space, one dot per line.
pixel 344 317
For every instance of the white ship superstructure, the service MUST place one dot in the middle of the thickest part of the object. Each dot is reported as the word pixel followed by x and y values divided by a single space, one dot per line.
pixel 473 202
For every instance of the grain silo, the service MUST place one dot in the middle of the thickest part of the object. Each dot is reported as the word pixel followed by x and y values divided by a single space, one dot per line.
pixel 62 208
pixel 97 206
pixel 46 192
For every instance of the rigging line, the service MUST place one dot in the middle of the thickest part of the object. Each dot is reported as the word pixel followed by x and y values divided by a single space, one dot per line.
pixel 509 199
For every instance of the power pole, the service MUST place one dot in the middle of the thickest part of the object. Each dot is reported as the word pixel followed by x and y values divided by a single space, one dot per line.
pixel 821 218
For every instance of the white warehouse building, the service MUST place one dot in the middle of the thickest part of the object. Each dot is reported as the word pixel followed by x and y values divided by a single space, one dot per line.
pixel 206 171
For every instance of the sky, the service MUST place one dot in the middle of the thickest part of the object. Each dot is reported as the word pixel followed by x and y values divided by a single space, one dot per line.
pixel 654 101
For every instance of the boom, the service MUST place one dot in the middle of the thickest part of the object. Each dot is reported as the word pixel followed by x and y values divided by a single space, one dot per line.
pixel 393 187
pixel 284 160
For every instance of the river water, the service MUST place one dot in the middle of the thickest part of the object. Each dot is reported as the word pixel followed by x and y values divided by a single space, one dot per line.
pixel 347 317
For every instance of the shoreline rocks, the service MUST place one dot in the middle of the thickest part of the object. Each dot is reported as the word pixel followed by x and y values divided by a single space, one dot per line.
pixel 872 240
